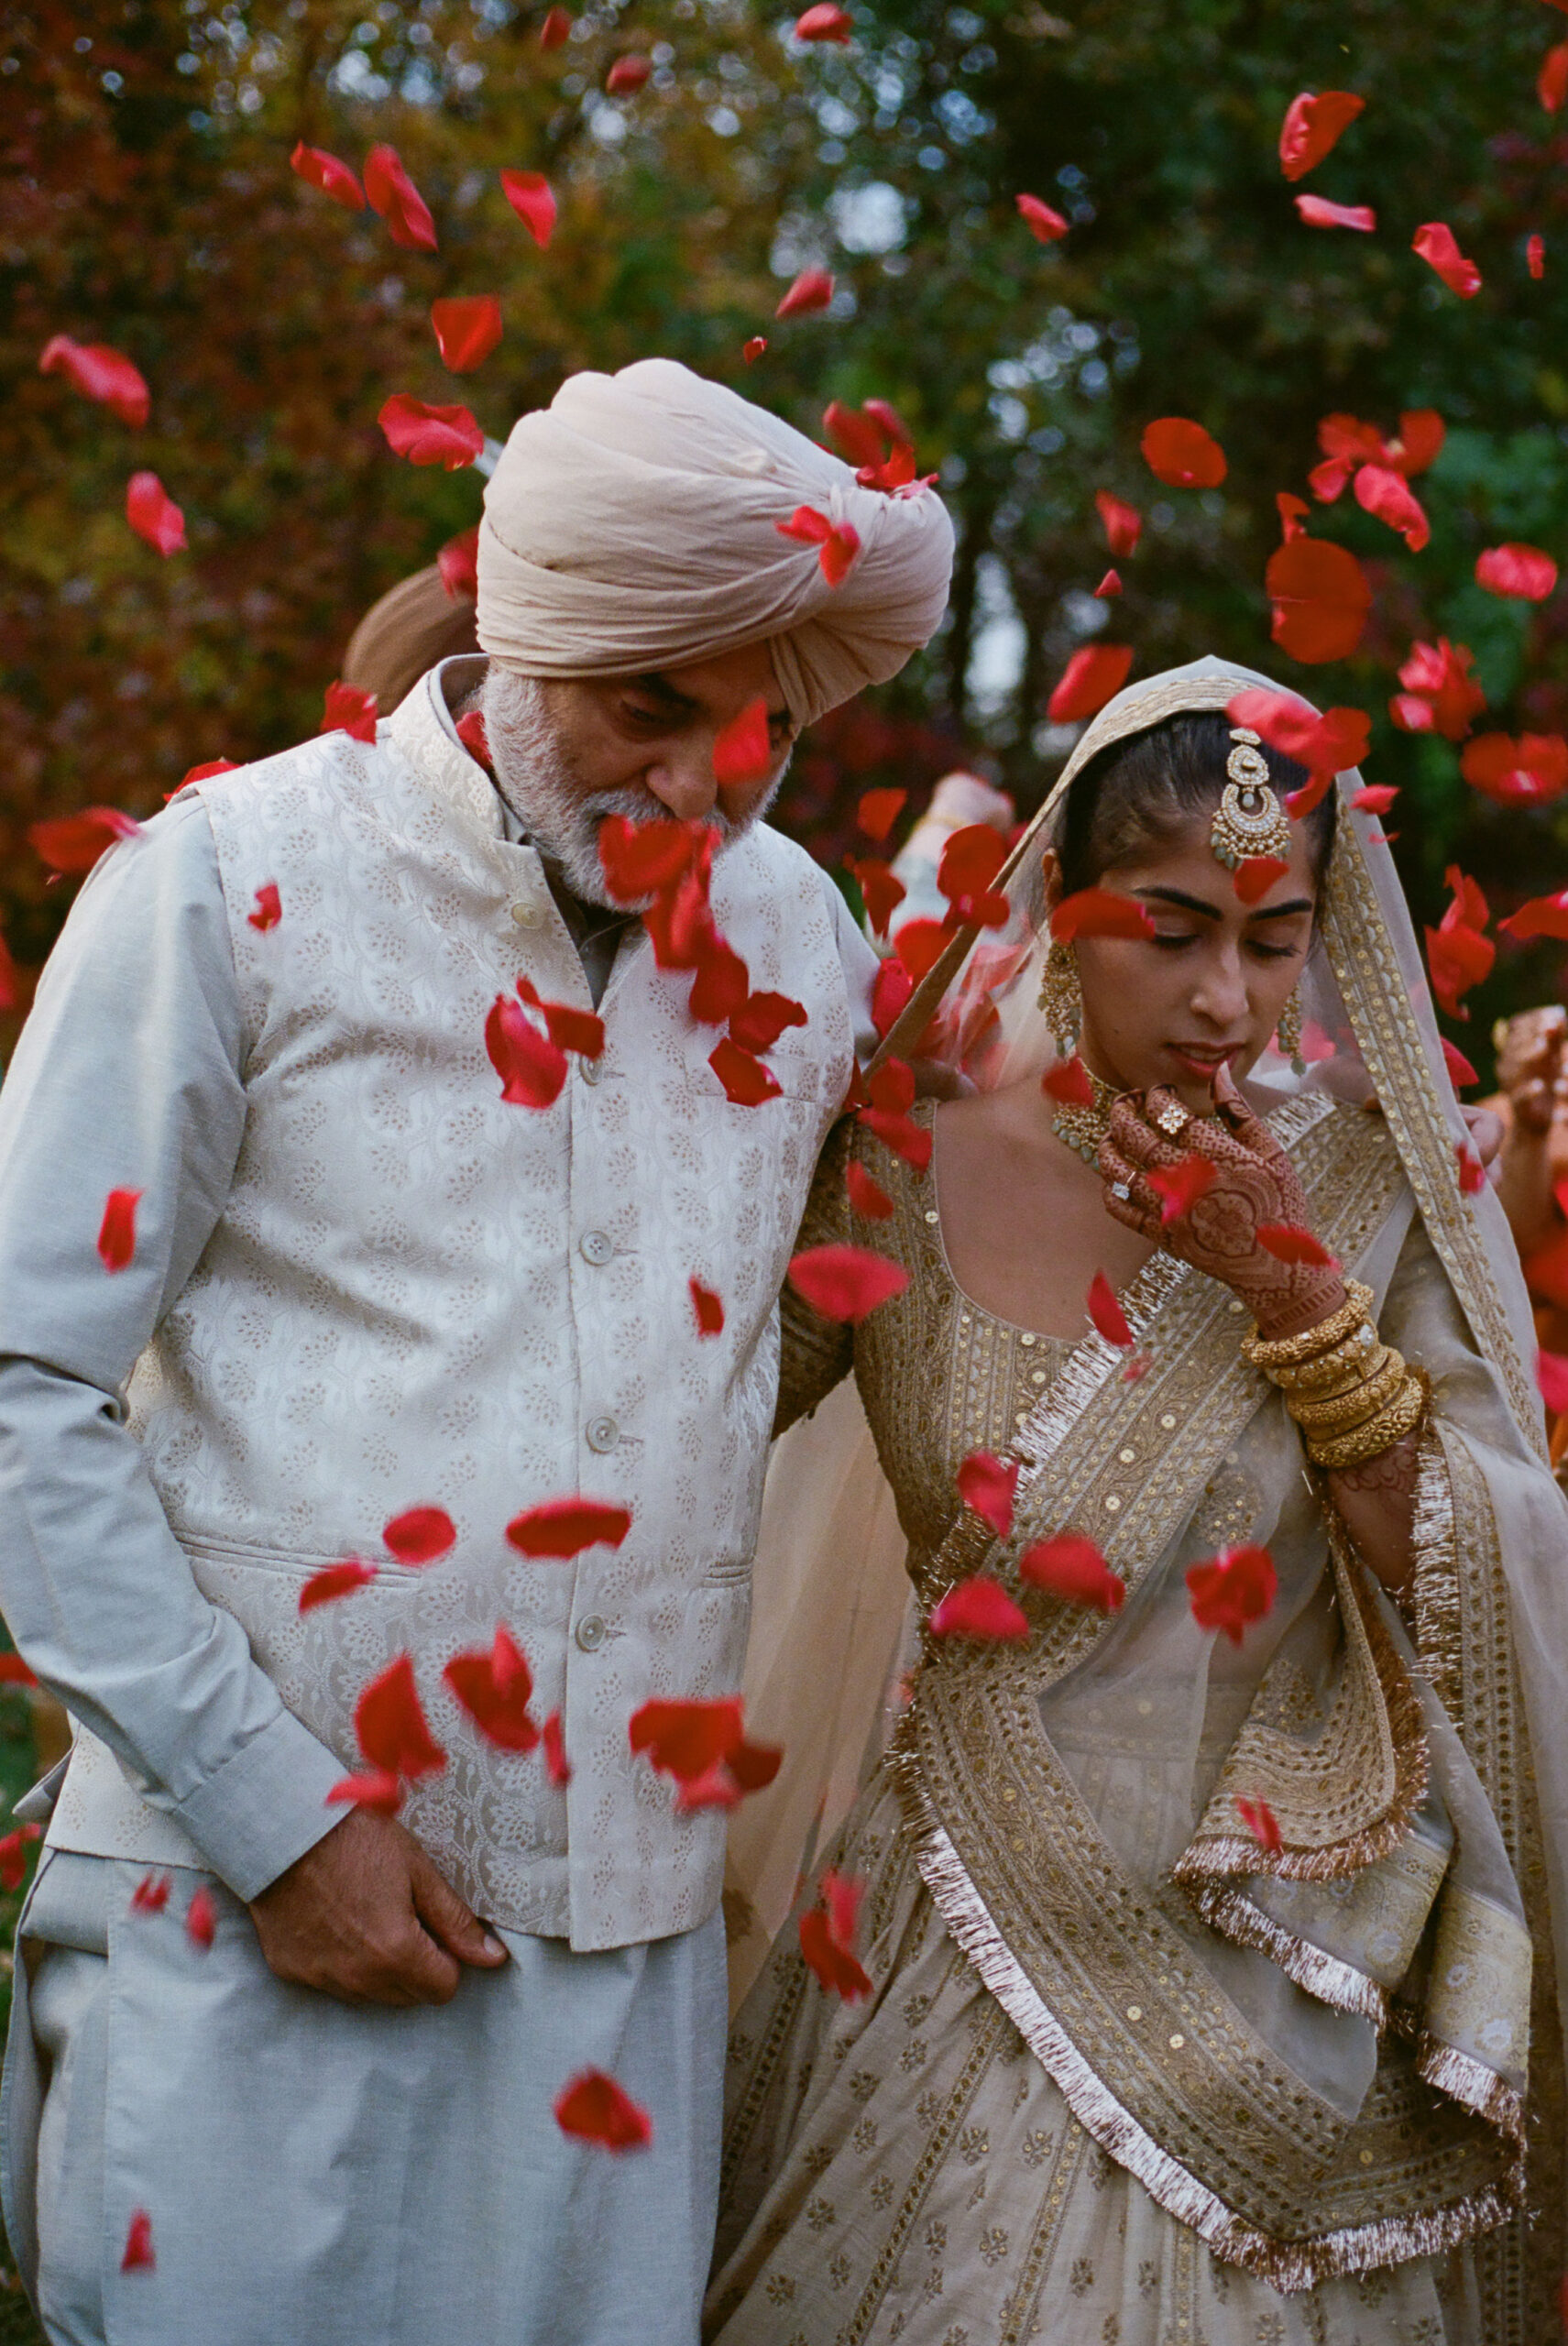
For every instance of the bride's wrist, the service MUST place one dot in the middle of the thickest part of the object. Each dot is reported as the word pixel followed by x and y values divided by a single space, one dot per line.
pixel 1290 1311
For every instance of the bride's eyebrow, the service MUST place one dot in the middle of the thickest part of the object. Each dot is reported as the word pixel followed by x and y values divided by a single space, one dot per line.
pixel 1183 903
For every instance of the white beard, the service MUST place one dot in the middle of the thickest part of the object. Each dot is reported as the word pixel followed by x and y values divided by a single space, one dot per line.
pixel 563 818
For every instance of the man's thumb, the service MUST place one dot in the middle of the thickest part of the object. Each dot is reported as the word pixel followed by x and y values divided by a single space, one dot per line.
pixel 450 1921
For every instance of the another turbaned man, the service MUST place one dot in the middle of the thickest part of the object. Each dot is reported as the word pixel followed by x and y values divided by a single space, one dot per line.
pixel 283 2068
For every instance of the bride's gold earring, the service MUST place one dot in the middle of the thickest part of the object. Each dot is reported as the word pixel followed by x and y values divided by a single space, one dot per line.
pixel 1061 998
pixel 1288 1034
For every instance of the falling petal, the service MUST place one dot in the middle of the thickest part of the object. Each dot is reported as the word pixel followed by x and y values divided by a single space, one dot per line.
pixel 1312 127
pixel 986 1486
pixel 447 436
pixel 978 1608
pixel 117 1231
pixel 824 22
pixel 812 290
pixel 1183 454
pixel 1519 570
pixel 752 349
pixel 467 330
pixel 1434 242
pixel 391 1727
pixel 1261 1822
pixel 564 1527
pixel 1529 772
pixel 744 749
pixel 99 372
pixel 532 1066
pixel 323 171
pixel 334 1581
pixel 557 28
pixel 1288 1242
pixel 1043 223
pixel 1179 1186
pixel 391 193
pixel 592 2107
pixel 419 1535
pixel 846 1282
pixel 268 907
pixel 74 842
pixel 1070 1566
pixel 153 514
pixel 348 711
pixel 627 76
pixel 137 2255
pixel 707 1309
pixel 1106 1312
pixel 1236 1589
pixel 1317 211
pixel 1099 912
pixel 867 1196
pixel 1319 597
pixel 201 1918
pixel 493 1685
pixel 532 199
pixel 553 1734
pixel 1094 672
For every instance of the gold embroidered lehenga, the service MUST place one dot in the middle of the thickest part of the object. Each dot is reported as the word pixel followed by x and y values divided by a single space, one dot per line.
pixel 1125 2079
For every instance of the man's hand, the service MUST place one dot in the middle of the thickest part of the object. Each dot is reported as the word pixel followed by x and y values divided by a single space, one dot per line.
pixel 366 1917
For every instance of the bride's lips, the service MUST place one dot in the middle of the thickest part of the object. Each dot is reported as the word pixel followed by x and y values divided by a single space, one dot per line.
pixel 1199 1062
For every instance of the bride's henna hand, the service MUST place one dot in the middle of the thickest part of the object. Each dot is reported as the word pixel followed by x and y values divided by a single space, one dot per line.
pixel 1256 1186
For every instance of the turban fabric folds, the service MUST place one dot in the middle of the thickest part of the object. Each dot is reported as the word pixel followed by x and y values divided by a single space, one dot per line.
pixel 631 526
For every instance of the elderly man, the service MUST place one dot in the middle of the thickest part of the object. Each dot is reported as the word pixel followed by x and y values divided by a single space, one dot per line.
pixel 284 2065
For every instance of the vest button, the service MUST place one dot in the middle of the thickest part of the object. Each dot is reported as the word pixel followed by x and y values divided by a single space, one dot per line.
pixel 591 1632
pixel 603 1433
pixel 595 1246
pixel 527 915
pixel 591 1070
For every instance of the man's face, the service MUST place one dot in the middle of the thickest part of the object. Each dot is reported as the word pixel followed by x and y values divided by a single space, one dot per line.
pixel 569 751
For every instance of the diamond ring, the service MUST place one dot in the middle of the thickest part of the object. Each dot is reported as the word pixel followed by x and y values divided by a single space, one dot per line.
pixel 1173 1119
pixel 1121 1190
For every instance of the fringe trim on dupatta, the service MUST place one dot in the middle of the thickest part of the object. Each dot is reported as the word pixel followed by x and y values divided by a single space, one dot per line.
pixel 1478 2089
pixel 1287 2265
pixel 1332 1981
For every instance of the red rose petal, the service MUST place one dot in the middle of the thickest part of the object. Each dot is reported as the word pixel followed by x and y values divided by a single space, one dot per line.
pixel 14 1671
pixel 447 436
pixel 1106 1313
pixel 1319 597
pixel 373 1788
pixel 391 1727
pixel 74 842
pixel 1255 875
pixel 1071 1567
pixel 627 76
pixel 153 514
pixel 1543 916
pixel 151 1895
pixel 1123 523
pixel 685 1739
pixel 846 1282
pixel 389 192
pixel 557 1767
pixel 1535 255
pixel 493 1686
pixel 467 329
pixel 268 907
pixel 1312 127
pixel 592 2107
pixel 824 22
pixel 117 1231
pixel 867 1196
pixel 202 1917
pixel 1261 1822
pixel 137 2255
pixel 1434 242
pixel 1317 211
pixel 878 811
pixel 707 1308
pixel 532 199
pixel 1109 586
pixel 812 290
pixel 1183 454
pixel 1518 570
pixel 1094 672
pixel 419 1535
pixel 1287 1242
pixel 564 1527
pixel 557 28
pixel 458 562
pixel 325 171
pixel 1099 912
pixel 13 1847
pixel 752 349
pixel 978 1608
pixel 986 1486
pixel 532 1066
pixel 348 711
pixel 1179 1186
pixel 747 1082
pixel 744 749
pixel 1068 1083
pixel 1236 1589
pixel 1526 773
pixel 334 1581
pixel 99 372
pixel 1044 224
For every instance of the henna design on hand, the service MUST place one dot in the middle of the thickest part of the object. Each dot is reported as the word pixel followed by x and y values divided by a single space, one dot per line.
pixel 1256 1184
pixel 1394 1469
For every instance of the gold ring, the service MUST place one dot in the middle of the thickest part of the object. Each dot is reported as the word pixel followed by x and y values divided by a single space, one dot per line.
pixel 1500 1034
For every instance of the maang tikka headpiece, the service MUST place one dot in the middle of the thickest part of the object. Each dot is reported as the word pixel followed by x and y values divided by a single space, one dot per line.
pixel 1249 820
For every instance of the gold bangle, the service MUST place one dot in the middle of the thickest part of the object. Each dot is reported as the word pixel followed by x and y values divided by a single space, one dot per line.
pixel 1289 1352
pixel 1391 1425
pixel 1347 1410
pixel 1337 1371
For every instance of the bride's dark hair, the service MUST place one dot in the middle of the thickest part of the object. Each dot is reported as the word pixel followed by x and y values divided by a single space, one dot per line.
pixel 1141 792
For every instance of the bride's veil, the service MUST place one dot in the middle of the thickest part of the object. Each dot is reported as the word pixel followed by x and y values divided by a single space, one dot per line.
pixel 829 1589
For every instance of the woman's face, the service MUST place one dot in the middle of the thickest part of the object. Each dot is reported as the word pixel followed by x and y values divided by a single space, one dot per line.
pixel 1209 984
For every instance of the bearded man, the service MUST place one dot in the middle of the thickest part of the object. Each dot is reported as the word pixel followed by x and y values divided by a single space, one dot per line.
pixel 283 2069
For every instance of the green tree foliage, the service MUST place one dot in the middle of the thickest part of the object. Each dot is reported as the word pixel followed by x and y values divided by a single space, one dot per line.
pixel 151 207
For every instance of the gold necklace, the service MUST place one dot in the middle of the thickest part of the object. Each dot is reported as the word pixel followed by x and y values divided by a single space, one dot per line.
pixel 1083 1129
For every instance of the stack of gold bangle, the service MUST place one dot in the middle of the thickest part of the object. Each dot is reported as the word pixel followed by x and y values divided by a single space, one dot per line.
pixel 1350 1393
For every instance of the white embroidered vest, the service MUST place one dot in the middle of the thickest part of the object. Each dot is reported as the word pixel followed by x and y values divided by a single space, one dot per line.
pixel 419 1295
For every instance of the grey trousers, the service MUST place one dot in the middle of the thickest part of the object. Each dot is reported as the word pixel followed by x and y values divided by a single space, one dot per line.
pixel 320 2176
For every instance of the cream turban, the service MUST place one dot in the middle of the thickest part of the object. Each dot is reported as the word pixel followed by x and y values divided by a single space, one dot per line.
pixel 630 526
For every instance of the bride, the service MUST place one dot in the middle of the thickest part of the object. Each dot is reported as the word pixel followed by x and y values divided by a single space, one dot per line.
pixel 1202 2005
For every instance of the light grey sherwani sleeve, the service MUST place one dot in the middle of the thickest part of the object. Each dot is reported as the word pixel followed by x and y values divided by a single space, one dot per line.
pixel 127 1076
